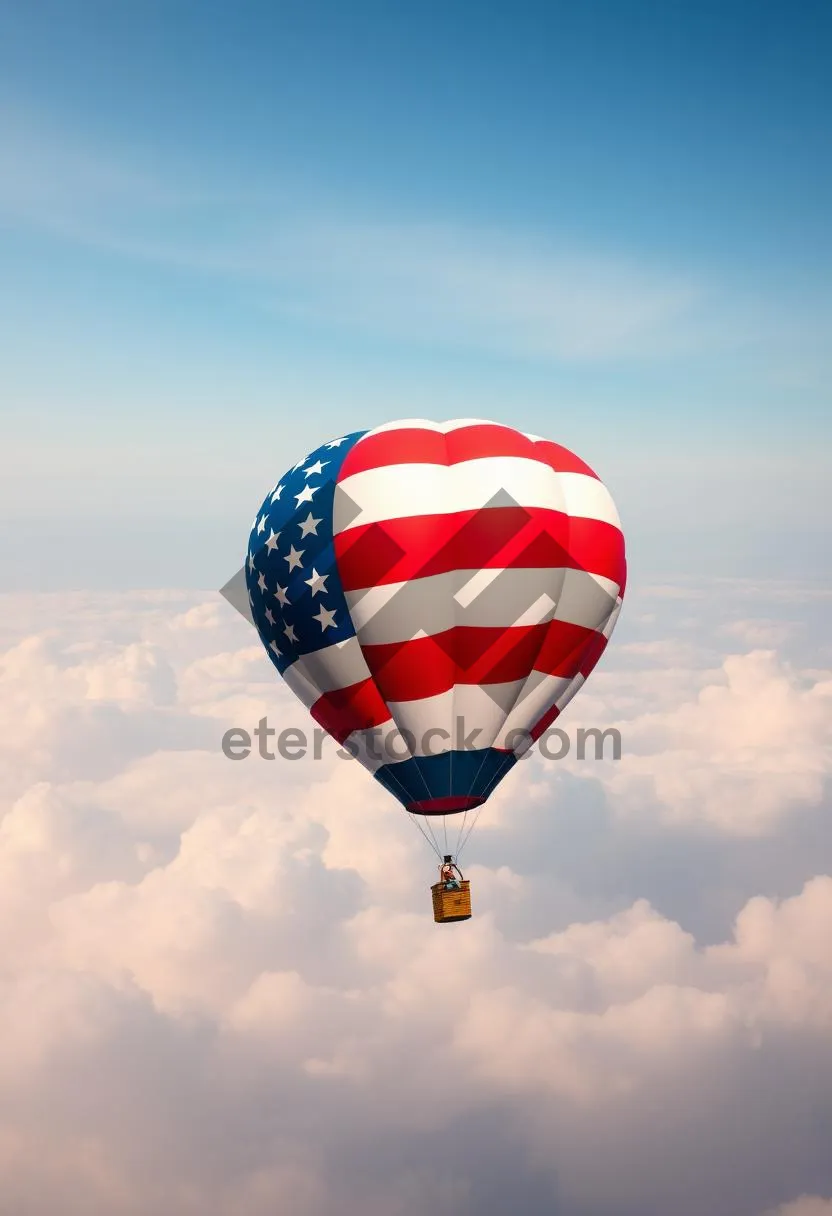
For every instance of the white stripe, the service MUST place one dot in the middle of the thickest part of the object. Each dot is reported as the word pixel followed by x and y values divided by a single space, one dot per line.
pixel 400 612
pixel 479 581
pixel 587 599
pixel 457 713
pixel 575 685
pixel 588 498
pixel 613 619
pixel 370 747
pixel 403 490
pixel 301 686
pixel 539 695
pixel 333 667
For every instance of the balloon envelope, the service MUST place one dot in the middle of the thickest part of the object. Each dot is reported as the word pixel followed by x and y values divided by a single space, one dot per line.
pixel 436 594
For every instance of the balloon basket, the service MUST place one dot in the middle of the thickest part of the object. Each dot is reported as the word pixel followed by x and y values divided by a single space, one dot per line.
pixel 450 906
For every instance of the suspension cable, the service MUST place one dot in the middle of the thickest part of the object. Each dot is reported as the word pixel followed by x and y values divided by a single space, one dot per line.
pixel 431 843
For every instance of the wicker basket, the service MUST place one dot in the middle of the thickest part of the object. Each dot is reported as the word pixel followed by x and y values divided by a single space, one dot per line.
pixel 449 906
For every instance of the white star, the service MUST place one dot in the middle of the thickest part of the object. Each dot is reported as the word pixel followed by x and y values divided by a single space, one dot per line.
pixel 336 443
pixel 261 524
pixel 315 469
pixel 280 595
pixel 251 561
pixel 276 492
pixel 306 494
pixel 270 616
pixel 295 467
pixel 289 630
pixel 317 582
pixel 326 618
pixel 261 583
pixel 293 557
pixel 274 646
pixel 271 541
pixel 310 524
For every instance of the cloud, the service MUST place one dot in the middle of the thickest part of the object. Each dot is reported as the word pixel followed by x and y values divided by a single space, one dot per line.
pixel 733 748
pixel 222 991
pixel 759 632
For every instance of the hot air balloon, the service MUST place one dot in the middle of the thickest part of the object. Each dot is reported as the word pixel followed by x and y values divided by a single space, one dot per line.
pixel 436 593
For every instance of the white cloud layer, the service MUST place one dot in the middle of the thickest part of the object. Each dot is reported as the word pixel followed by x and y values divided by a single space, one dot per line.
pixel 749 742
pixel 221 990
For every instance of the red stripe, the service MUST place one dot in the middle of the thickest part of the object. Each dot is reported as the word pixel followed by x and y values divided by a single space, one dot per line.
pixel 358 707
pixel 426 667
pixel 561 459
pixel 589 658
pixel 563 649
pixel 542 725
pixel 493 538
pixel 417 445
pixel 592 654
pixel 444 806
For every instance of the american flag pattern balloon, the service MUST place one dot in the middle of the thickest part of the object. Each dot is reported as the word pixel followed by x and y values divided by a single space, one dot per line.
pixel 436 594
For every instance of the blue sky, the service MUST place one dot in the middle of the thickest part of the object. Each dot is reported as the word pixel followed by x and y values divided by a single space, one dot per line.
pixel 230 232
